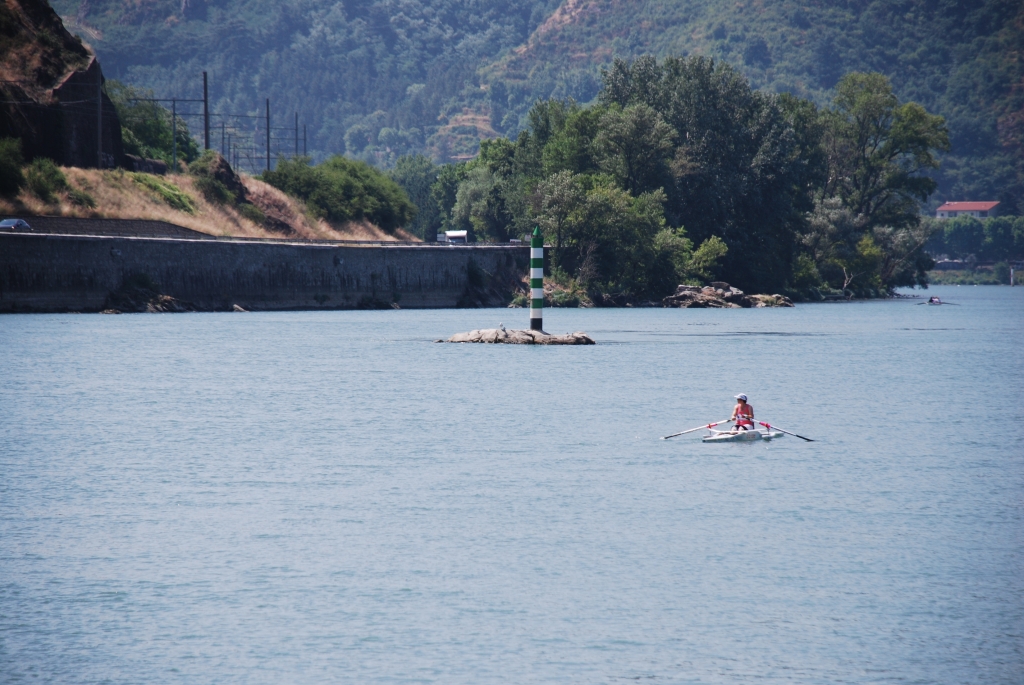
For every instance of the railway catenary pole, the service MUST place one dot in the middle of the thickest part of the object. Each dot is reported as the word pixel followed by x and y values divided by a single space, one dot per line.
pixel 99 120
pixel 268 134
pixel 537 281
pixel 206 113
pixel 174 136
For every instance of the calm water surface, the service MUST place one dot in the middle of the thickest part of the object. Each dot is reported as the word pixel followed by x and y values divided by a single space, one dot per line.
pixel 329 497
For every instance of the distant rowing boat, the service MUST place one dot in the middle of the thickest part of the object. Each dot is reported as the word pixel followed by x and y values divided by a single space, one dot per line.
pixel 933 300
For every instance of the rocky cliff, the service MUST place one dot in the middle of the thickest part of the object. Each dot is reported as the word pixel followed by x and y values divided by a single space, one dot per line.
pixel 51 90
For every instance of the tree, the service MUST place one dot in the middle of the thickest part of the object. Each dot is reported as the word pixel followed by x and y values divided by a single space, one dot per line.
pixel 146 127
pixel 445 189
pixel 963 236
pixel 560 198
pixel 634 145
pixel 736 168
pixel 879 149
pixel 571 146
pixel 416 174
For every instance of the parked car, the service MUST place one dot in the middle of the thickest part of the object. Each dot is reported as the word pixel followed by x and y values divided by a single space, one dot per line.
pixel 14 225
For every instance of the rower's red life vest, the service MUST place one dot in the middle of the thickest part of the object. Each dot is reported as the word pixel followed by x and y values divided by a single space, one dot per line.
pixel 744 415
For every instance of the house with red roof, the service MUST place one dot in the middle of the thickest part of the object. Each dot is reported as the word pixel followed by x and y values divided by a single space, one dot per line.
pixel 979 210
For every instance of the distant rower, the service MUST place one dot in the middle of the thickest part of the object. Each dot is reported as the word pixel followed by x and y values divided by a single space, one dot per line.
pixel 742 414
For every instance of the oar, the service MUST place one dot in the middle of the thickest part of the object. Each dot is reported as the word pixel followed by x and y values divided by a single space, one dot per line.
pixel 710 425
pixel 769 427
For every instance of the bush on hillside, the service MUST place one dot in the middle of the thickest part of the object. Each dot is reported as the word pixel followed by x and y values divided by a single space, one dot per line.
pixel 342 189
pixel 214 191
pixel 81 198
pixel 45 179
pixel 252 213
pixel 11 178
pixel 168 193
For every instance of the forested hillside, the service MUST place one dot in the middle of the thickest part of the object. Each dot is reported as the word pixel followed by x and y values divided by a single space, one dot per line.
pixel 383 78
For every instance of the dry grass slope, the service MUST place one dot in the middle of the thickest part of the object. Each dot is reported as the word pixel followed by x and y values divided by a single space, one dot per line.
pixel 120 195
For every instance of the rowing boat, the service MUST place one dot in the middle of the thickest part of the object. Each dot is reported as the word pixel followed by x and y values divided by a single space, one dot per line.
pixel 741 436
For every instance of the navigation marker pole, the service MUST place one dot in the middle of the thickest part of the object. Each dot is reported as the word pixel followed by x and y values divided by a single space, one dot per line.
pixel 537 281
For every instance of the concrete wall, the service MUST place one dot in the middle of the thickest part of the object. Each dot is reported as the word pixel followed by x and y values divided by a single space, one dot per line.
pixel 57 273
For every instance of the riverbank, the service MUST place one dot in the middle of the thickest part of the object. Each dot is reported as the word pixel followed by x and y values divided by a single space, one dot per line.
pixel 997 275
pixel 717 295
pixel 77 273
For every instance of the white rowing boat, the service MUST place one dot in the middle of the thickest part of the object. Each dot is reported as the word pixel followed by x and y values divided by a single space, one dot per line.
pixel 741 436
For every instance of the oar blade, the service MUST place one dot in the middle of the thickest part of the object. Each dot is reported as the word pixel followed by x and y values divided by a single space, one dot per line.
pixel 770 427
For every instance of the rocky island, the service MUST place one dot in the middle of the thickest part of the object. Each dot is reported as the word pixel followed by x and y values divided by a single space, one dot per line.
pixel 519 337
pixel 720 295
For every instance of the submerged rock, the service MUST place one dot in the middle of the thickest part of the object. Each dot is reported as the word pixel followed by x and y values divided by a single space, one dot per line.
pixel 515 337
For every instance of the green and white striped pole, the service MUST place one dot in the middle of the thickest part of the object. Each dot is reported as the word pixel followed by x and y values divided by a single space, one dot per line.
pixel 537 281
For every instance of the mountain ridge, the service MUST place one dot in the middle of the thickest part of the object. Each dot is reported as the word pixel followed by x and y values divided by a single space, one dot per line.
pixel 389 77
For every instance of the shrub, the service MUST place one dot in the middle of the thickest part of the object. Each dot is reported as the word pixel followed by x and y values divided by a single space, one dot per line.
pixel 252 213
pixel 214 191
pixel 81 198
pixel 343 189
pixel 45 179
pixel 170 194
pixel 11 178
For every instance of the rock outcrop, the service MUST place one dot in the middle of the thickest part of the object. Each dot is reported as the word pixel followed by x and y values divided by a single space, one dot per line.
pixel 138 294
pixel 516 337
pixel 50 91
pixel 720 295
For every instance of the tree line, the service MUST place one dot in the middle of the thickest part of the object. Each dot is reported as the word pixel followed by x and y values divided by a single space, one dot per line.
pixel 681 172
pixel 995 239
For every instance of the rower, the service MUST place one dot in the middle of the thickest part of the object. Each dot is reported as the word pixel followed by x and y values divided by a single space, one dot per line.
pixel 742 414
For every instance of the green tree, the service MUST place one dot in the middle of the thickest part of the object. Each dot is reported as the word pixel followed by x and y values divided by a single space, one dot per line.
pixel 416 174
pixel 879 150
pixel 634 145
pixel 963 236
pixel 146 129
pixel 445 190
pixel 342 189
pixel 571 147
pixel 559 200
pixel 736 169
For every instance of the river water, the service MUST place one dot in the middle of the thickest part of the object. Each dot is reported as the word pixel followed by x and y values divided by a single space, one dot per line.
pixel 330 497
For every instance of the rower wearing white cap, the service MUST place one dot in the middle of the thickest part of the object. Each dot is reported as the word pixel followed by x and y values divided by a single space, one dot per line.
pixel 742 414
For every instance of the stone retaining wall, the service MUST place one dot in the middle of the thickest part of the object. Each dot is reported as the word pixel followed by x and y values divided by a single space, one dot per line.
pixel 57 273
